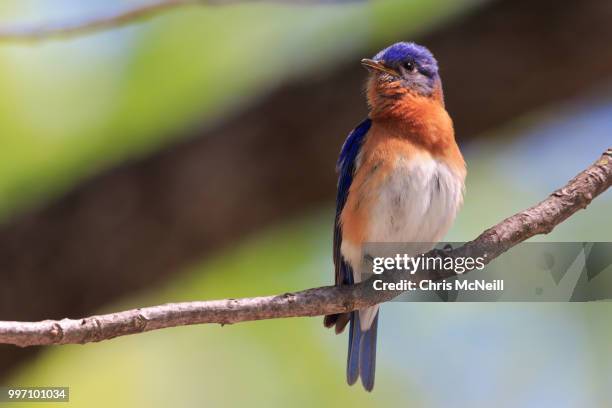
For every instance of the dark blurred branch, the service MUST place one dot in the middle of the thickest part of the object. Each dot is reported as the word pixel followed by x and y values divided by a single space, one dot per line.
pixel 539 219
pixel 38 32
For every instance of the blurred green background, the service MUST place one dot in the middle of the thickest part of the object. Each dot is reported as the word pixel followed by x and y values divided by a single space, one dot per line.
pixel 72 108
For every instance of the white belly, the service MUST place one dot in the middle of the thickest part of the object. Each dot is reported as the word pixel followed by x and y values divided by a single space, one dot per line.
pixel 418 202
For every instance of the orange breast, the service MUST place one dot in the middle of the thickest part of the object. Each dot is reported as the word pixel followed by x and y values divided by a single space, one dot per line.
pixel 413 128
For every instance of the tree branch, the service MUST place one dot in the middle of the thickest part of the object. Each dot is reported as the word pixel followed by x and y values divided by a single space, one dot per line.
pixel 539 219
pixel 82 26
pixel 38 32
pixel 115 19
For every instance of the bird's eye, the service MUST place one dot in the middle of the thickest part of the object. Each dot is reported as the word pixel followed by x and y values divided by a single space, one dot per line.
pixel 409 66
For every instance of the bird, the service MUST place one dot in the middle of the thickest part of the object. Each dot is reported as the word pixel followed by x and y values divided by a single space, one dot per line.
pixel 401 178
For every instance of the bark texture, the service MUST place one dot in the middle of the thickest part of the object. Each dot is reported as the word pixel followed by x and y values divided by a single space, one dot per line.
pixel 539 219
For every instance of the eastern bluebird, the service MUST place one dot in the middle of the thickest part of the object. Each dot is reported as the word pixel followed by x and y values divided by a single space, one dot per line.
pixel 400 179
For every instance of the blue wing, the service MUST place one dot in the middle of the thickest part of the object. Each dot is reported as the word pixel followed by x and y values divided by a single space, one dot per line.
pixel 346 170
pixel 362 344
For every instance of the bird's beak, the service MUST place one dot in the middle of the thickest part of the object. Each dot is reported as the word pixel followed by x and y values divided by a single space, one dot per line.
pixel 371 64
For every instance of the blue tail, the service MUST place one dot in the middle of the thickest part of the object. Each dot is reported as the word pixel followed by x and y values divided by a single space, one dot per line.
pixel 362 353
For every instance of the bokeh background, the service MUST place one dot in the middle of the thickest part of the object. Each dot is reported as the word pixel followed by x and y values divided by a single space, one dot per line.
pixel 191 156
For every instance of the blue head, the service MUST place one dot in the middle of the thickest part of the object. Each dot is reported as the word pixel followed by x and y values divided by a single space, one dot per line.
pixel 411 65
